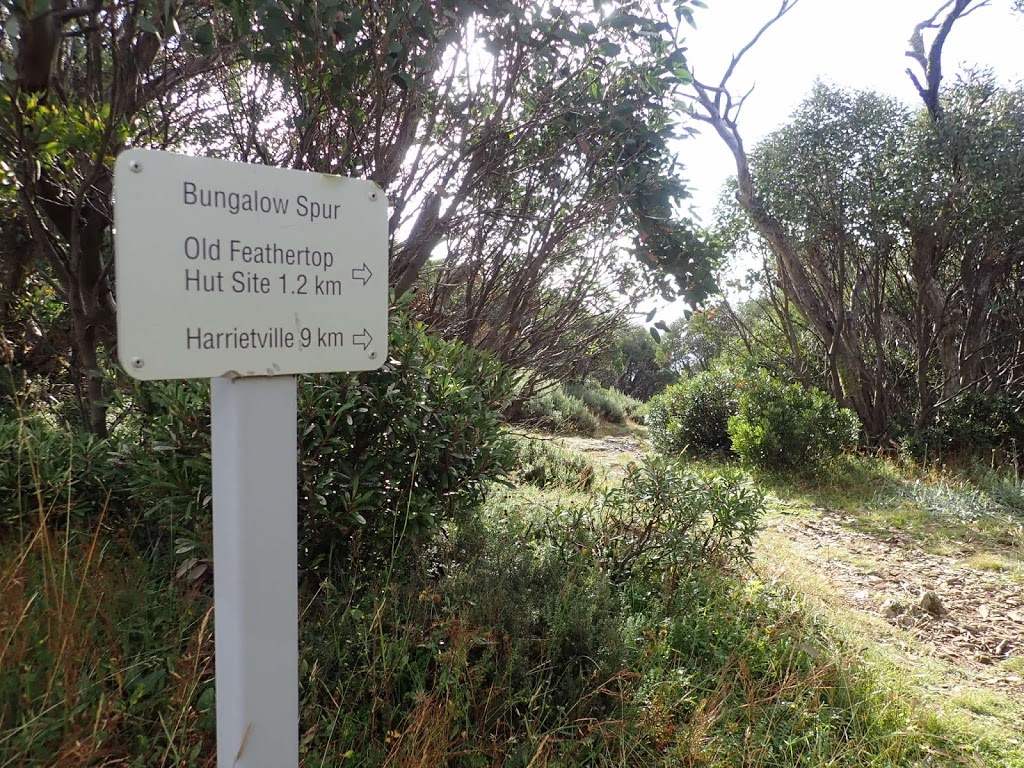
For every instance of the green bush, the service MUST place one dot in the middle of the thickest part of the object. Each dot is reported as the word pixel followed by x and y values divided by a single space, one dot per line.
pixel 391 455
pixel 606 403
pixel 693 415
pixel 46 469
pixel 544 465
pixel 971 421
pixel 554 410
pixel 782 426
pixel 663 523
pixel 387 456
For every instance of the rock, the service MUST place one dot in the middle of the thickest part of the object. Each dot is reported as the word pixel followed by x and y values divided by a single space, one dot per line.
pixel 930 602
pixel 906 621
pixel 892 608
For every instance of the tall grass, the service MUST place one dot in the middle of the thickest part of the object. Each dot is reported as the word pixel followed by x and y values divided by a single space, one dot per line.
pixel 601 628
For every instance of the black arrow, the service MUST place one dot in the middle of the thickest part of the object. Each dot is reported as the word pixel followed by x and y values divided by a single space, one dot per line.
pixel 362 273
pixel 363 339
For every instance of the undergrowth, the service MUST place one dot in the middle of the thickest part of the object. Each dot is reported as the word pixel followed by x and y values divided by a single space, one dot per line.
pixel 604 628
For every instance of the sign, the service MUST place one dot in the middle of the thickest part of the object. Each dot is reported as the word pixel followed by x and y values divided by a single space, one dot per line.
pixel 229 269
pixel 248 275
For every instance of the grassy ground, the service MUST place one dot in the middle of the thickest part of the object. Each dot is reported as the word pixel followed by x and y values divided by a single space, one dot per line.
pixel 917 521
pixel 834 539
pixel 585 621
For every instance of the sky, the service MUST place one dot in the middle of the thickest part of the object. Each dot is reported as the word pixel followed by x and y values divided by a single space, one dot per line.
pixel 858 44
pixel 852 43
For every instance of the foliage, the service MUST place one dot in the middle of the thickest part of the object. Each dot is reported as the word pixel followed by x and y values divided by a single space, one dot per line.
pixel 521 637
pixel 555 410
pixel 42 465
pixel 105 654
pixel 662 523
pixel 466 114
pixel 972 421
pixel 544 464
pixel 884 235
pixel 694 341
pixel 68 106
pixel 784 426
pixel 631 364
pixel 606 403
pixel 387 456
pixel 693 415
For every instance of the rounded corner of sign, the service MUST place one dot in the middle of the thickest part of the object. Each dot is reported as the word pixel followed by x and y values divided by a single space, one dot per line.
pixel 134 371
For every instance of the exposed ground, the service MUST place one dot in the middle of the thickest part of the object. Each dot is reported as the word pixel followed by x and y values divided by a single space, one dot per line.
pixel 937 606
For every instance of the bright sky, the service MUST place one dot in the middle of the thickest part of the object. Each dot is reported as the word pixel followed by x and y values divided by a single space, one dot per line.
pixel 851 43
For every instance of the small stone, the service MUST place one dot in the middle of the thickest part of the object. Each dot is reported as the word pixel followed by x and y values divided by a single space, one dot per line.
pixel 892 608
pixel 930 602
pixel 906 621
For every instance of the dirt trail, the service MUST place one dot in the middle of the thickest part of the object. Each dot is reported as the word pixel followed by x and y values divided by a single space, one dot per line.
pixel 976 622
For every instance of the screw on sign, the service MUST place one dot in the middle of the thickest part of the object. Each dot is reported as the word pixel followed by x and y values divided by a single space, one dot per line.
pixel 248 275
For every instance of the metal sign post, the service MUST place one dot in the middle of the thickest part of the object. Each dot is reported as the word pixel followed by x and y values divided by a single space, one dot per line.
pixel 248 275
pixel 254 571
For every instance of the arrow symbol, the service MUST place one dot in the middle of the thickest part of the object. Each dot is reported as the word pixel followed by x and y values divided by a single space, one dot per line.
pixel 362 273
pixel 363 339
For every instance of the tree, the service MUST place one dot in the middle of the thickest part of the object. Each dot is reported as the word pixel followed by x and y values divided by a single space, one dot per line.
pixel 883 231
pixel 630 362
pixel 82 82
pixel 523 148
pixel 525 153
pixel 694 342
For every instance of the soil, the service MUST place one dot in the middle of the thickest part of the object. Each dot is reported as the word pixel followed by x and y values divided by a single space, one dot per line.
pixel 976 623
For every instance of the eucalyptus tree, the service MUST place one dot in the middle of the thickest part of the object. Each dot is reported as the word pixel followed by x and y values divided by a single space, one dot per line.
pixel 527 140
pixel 524 150
pixel 895 236
pixel 80 83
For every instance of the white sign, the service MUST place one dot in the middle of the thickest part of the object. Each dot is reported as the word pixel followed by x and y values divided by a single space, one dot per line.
pixel 228 269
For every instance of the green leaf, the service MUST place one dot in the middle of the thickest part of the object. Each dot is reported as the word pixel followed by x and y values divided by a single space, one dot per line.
pixel 148 26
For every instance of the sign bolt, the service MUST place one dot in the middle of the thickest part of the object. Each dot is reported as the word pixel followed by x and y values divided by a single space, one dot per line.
pixel 373 196
pixel 372 354
pixel 136 167
pixel 138 362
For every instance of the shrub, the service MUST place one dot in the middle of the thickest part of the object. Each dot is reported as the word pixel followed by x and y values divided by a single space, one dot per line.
pixel 784 426
pixel 387 456
pixel 663 523
pixel 391 455
pixel 971 421
pixel 693 415
pixel 542 464
pixel 606 403
pixel 554 410
pixel 44 467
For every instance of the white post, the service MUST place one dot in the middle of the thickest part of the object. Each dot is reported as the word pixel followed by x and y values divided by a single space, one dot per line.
pixel 255 465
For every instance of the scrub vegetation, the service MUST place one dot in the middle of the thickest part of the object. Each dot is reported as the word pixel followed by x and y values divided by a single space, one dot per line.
pixel 783 531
